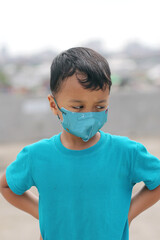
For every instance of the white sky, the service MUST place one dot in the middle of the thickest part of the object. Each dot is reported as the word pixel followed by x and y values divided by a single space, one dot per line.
pixel 33 25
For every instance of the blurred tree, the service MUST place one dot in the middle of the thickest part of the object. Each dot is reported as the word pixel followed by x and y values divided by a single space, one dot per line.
pixel 4 80
pixel 116 80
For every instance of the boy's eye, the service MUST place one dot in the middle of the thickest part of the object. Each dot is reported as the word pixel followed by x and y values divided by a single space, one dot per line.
pixel 78 107
pixel 99 107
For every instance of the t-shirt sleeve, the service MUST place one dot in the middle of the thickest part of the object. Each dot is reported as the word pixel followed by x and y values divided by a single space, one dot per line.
pixel 18 173
pixel 146 168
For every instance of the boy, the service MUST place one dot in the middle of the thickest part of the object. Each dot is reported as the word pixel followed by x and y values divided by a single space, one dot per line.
pixel 84 176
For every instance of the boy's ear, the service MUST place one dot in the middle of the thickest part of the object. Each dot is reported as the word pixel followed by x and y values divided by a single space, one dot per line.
pixel 52 104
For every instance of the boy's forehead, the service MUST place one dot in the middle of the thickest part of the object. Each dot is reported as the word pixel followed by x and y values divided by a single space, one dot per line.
pixel 74 91
pixel 85 99
pixel 76 100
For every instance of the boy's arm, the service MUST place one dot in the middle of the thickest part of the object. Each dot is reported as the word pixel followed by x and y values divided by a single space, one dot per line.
pixel 41 237
pixel 27 202
pixel 144 199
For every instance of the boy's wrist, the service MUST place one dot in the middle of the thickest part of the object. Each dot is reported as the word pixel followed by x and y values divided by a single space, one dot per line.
pixel 129 220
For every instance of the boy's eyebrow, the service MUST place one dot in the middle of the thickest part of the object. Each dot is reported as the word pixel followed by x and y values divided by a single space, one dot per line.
pixel 74 100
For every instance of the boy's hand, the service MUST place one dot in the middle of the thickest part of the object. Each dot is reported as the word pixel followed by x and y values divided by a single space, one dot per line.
pixel 129 221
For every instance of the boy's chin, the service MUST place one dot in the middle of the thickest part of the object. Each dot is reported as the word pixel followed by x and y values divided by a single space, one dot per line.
pixel 79 138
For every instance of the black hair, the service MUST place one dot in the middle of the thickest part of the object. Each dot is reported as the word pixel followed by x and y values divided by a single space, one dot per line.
pixel 91 69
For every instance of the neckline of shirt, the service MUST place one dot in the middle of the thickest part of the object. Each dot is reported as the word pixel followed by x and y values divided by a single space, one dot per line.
pixel 89 150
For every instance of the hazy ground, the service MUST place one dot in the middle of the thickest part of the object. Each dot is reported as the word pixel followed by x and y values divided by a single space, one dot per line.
pixel 17 225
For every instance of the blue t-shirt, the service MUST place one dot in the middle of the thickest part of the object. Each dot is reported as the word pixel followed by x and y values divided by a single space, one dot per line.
pixel 84 194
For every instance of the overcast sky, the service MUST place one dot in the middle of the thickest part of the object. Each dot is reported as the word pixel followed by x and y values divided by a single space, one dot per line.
pixel 33 25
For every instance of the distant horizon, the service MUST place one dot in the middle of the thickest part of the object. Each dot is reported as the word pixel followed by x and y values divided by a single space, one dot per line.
pixel 53 48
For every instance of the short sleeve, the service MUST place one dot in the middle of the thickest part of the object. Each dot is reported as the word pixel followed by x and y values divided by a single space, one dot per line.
pixel 146 168
pixel 18 173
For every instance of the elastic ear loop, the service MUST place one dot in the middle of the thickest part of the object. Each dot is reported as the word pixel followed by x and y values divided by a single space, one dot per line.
pixel 58 107
pixel 107 109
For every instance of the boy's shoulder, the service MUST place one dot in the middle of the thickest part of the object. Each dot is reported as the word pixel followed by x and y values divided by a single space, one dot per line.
pixel 116 137
pixel 120 141
pixel 41 144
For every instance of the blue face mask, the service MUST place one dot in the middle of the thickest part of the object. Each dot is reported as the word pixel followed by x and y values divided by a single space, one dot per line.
pixel 82 124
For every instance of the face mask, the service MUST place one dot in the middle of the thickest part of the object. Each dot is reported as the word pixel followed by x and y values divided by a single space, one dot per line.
pixel 82 124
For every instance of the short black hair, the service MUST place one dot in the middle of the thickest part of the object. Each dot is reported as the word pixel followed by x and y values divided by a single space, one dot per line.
pixel 91 69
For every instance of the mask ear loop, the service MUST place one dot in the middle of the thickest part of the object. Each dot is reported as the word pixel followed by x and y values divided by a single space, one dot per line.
pixel 58 107
pixel 107 109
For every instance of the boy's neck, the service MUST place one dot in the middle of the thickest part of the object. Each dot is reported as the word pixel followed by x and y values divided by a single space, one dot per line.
pixel 75 143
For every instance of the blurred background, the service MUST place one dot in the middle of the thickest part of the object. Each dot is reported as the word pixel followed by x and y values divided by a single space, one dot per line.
pixel 32 33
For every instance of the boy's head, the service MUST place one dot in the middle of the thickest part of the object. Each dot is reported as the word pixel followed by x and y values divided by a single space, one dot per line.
pixel 94 67
pixel 80 78
pixel 88 68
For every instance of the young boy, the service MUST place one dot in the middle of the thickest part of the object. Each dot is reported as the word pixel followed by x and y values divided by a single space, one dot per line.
pixel 84 176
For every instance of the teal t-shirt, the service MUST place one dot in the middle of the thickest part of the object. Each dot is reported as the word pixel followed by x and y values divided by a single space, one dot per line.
pixel 84 194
